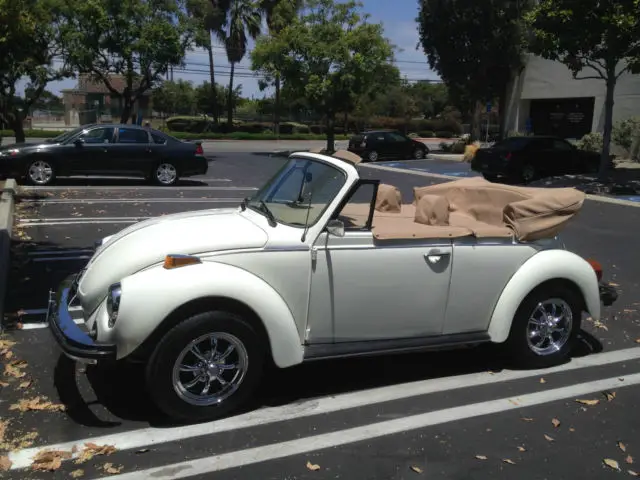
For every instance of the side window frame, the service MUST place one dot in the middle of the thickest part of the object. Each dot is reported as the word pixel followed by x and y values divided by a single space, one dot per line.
pixel 132 143
pixel 372 205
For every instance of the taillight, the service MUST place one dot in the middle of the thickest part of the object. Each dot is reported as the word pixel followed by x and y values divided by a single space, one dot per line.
pixel 507 156
pixel 596 267
pixel 199 150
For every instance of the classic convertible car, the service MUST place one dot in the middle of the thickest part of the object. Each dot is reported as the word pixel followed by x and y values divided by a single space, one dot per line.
pixel 320 264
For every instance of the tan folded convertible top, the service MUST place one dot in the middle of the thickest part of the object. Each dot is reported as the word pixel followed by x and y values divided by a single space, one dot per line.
pixel 469 207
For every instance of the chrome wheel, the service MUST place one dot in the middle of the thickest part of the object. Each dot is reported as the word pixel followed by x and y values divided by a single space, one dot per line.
pixel 419 154
pixel 210 369
pixel 528 173
pixel 549 326
pixel 166 174
pixel 40 172
pixel 373 156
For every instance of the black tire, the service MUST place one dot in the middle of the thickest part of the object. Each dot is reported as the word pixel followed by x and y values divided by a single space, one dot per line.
pixel 528 174
pixel 40 163
pixel 517 345
pixel 166 166
pixel 160 367
pixel 371 156
pixel 489 177
pixel 419 154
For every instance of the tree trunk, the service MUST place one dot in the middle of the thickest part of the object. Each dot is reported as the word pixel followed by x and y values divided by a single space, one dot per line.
pixel 18 128
pixel 608 124
pixel 331 136
pixel 127 108
pixel 212 77
pixel 475 122
pixel 276 109
pixel 230 99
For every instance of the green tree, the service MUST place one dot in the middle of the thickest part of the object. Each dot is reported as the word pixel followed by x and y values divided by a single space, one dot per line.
pixel 29 43
pixel 243 22
pixel 177 97
pixel 278 14
pixel 601 40
pixel 475 46
pixel 330 55
pixel 210 17
pixel 138 39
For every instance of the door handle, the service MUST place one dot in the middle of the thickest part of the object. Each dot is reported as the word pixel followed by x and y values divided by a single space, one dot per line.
pixel 435 255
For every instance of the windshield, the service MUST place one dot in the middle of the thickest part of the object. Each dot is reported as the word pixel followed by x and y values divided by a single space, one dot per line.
pixel 299 193
pixel 64 136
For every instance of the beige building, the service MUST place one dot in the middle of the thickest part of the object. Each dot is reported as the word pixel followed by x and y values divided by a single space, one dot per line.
pixel 547 100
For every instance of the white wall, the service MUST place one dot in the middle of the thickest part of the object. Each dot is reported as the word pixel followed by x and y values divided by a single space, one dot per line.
pixel 546 79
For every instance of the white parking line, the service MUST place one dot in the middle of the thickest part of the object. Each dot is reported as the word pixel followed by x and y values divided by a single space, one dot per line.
pixel 216 463
pixel 136 439
pixel 40 325
pixel 89 201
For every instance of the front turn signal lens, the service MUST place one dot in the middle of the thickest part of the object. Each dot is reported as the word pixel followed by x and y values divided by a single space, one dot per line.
pixel 596 267
pixel 176 261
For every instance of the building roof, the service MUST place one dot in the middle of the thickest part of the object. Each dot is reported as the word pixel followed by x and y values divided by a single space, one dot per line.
pixel 86 84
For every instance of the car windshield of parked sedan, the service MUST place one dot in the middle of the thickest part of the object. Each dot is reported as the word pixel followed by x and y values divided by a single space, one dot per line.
pixel 299 193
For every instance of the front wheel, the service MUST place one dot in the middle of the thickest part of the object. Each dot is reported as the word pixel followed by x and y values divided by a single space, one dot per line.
pixel 40 172
pixel 206 367
pixel 545 327
pixel 419 153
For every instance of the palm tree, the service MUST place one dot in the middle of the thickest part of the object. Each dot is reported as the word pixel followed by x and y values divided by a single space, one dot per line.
pixel 211 17
pixel 243 21
pixel 279 13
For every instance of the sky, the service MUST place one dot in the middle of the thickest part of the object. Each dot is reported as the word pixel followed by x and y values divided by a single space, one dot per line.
pixel 397 17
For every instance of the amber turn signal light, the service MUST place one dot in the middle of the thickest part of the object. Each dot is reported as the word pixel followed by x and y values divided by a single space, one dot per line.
pixel 596 267
pixel 177 261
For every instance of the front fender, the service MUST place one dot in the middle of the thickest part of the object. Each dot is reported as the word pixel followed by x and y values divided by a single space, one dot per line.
pixel 149 296
pixel 543 266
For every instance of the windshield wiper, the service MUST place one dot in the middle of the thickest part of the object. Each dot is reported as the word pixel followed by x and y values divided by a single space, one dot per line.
pixel 243 204
pixel 268 213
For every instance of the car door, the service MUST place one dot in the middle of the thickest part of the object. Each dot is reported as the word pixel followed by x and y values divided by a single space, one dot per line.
pixel 364 290
pixel 88 153
pixel 132 153
pixel 566 157
pixel 400 147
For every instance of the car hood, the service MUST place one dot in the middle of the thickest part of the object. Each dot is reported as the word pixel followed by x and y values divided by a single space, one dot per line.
pixel 147 243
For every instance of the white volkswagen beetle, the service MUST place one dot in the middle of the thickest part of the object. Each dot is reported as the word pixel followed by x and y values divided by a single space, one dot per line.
pixel 320 264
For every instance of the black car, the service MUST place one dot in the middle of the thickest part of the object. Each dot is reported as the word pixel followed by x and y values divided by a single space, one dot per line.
pixel 107 150
pixel 523 159
pixel 386 144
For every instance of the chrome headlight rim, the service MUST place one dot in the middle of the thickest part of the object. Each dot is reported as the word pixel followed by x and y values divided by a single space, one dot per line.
pixel 113 303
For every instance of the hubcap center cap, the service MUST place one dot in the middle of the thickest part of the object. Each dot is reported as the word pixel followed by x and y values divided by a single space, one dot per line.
pixel 212 370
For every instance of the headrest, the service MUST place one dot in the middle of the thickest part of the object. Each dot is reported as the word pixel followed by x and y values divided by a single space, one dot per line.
pixel 432 210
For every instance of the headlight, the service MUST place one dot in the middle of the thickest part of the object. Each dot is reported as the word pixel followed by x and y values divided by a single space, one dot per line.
pixel 113 303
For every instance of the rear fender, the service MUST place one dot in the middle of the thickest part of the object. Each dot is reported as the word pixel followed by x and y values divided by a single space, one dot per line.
pixel 542 267
pixel 150 296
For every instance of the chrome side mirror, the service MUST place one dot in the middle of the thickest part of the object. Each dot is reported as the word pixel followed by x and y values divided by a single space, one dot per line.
pixel 336 227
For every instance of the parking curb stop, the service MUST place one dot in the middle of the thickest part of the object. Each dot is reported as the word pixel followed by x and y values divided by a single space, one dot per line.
pixel 6 226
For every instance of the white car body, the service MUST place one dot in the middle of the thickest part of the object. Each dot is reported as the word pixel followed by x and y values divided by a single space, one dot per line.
pixel 323 296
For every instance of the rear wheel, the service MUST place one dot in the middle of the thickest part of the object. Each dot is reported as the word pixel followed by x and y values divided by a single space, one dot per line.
pixel 372 156
pixel 528 173
pixel 165 173
pixel 419 153
pixel 206 367
pixel 545 327
pixel 489 177
pixel 40 172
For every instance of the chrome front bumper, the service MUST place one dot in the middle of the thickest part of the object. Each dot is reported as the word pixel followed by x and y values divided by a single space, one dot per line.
pixel 73 340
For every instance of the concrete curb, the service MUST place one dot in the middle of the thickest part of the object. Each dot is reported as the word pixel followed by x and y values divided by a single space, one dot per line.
pixel 454 157
pixel 6 226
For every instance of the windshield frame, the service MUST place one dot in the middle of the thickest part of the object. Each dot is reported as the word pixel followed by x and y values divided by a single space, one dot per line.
pixel 280 176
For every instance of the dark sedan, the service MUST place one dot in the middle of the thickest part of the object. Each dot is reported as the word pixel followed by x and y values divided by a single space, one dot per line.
pixel 386 144
pixel 524 159
pixel 105 150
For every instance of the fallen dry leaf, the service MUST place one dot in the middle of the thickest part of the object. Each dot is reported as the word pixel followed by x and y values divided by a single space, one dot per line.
pixel 49 460
pixel 522 449
pixel 38 404
pixel 555 422
pixel 3 429
pixel 542 380
pixel 637 340
pixel 622 446
pixel 91 449
pixel 548 438
pixel 629 459
pixel 8 355
pixel 633 474
pixel 77 473
pixel 481 457
pixel 588 402
pixel 611 463
pixel 510 462
pixel 609 395
pixel 5 464
pixel 572 429
pixel 527 419
pixel 313 466
pixel 111 468
pixel 25 384
pixel 5 344
pixel 142 450
pixel 416 469
pixel 513 401
pixel 4 384
pixel 601 325
pixel 13 369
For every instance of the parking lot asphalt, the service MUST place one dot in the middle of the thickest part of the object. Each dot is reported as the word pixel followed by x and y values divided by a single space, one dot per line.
pixel 449 415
